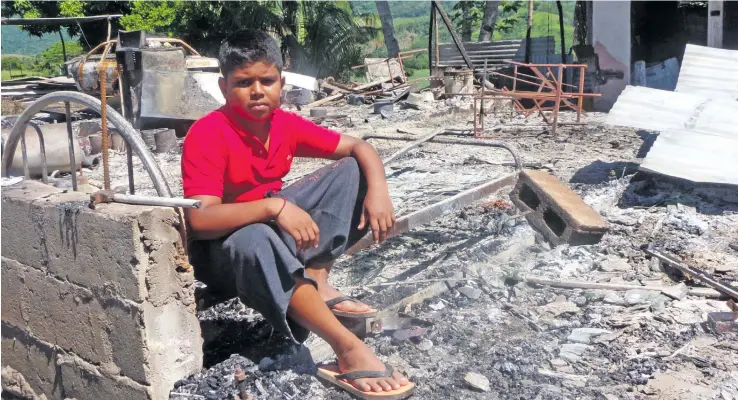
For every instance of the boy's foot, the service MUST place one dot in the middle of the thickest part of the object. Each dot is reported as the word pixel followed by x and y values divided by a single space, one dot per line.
pixel 328 293
pixel 359 357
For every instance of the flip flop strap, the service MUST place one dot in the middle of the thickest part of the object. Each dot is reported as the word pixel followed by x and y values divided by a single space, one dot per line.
pixel 352 376
pixel 340 299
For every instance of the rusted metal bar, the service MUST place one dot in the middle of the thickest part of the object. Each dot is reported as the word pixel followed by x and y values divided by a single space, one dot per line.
pixel 428 214
pixel 694 272
pixel 70 133
pixel 581 92
pixel 528 76
pixel 558 100
pixel 104 115
pixel 513 62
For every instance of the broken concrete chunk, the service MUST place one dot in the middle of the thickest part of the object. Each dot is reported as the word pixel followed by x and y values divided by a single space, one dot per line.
pixel 557 308
pixel 425 345
pixel 585 335
pixel 614 265
pixel 676 292
pixel 477 381
pixel 572 352
pixel 470 292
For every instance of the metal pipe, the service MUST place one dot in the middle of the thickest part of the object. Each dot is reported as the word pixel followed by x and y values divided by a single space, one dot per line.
pixel 156 201
pixel 70 137
pixel 470 142
pixel 122 126
pixel 407 148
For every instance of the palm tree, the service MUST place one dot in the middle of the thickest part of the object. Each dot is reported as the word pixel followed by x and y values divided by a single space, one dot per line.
pixel 388 28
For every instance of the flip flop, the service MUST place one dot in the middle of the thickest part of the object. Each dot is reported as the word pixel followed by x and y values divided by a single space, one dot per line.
pixel 332 374
pixel 340 299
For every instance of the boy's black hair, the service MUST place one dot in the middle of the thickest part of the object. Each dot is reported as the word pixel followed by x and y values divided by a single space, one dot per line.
pixel 248 46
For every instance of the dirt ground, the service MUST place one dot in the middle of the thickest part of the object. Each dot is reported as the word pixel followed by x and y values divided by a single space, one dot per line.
pixel 527 341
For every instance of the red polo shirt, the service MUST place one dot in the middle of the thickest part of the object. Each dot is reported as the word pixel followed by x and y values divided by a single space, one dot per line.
pixel 221 158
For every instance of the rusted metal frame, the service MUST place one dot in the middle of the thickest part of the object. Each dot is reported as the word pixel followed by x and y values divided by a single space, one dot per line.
pixel 513 62
pixel 581 92
pixel 557 105
pixel 697 273
pixel 559 84
pixel 70 137
pixel 526 75
pixel 430 213
pixel 454 36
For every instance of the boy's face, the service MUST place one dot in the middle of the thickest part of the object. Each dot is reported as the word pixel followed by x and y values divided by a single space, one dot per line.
pixel 253 90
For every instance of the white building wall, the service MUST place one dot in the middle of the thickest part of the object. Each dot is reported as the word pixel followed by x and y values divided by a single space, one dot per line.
pixel 611 37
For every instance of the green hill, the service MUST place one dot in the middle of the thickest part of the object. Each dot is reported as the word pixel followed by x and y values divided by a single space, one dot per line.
pixel 15 41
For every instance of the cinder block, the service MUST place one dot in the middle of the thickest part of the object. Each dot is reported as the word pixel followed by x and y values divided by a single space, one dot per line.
pixel 86 247
pixel 32 358
pixel 99 330
pixel 83 380
pixel 556 211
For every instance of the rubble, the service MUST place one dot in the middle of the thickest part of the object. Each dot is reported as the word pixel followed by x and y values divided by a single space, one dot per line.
pixel 477 381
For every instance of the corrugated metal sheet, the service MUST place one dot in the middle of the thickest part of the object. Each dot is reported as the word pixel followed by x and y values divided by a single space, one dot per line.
pixel 494 52
pixel 699 135
pixel 709 72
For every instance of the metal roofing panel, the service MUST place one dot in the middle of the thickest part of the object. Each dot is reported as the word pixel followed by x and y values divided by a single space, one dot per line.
pixel 699 135
pixel 661 110
pixel 709 72
pixel 695 156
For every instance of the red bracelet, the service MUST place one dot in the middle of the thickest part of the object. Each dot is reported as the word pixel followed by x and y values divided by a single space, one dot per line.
pixel 281 209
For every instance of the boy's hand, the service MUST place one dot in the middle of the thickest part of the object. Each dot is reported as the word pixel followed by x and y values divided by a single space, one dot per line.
pixel 299 225
pixel 378 212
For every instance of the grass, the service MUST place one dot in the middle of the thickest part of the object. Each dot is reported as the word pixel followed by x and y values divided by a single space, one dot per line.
pixel 6 74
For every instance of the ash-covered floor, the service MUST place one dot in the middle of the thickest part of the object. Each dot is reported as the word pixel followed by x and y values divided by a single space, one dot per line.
pixel 526 341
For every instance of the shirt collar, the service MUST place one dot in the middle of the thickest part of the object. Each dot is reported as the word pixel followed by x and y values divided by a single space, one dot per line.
pixel 276 131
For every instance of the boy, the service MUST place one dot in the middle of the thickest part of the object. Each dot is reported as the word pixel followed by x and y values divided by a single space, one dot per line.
pixel 274 248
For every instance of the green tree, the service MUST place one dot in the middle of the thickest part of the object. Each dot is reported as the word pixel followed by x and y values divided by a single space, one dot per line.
pixel 51 61
pixel 94 32
pixel 151 16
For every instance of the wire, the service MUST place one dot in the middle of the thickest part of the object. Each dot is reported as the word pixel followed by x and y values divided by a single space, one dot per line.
pixel 83 35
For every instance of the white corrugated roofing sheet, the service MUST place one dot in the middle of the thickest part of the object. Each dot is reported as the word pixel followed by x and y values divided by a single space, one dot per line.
pixel 709 72
pixel 699 135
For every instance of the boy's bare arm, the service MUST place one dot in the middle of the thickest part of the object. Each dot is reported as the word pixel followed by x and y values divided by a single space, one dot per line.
pixel 214 219
pixel 378 211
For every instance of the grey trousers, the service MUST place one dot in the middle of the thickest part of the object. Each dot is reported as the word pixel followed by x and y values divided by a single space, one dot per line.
pixel 259 262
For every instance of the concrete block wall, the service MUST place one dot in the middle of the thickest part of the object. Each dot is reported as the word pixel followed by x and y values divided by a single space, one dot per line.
pixel 96 304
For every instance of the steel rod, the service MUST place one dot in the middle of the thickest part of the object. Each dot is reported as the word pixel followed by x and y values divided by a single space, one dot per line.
pixel 410 146
pixel 156 201
pixel 704 292
pixel 70 137
pixel 470 142
pixel 129 162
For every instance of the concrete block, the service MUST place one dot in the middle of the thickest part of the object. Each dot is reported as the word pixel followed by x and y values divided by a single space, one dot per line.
pixel 99 330
pixel 556 211
pixel 32 358
pixel 59 233
pixel 83 380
